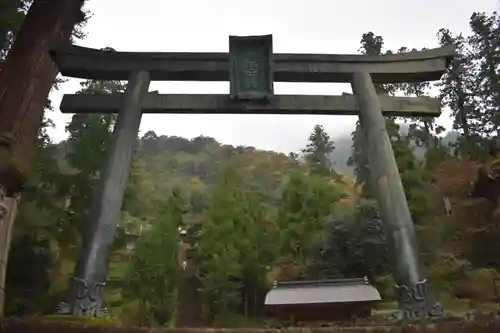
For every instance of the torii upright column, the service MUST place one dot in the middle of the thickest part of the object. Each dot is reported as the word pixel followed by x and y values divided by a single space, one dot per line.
pixel 414 298
pixel 87 283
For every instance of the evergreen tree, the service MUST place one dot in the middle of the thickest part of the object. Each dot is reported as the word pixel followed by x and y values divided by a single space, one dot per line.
pixel 219 245
pixel 354 245
pixel 412 175
pixel 318 151
pixel 88 143
pixel 154 272
pixel 370 239
pixel 485 47
pixel 359 160
pixel 306 202
pixel 457 90
pixel 371 44
pixel 336 255
pixel 422 130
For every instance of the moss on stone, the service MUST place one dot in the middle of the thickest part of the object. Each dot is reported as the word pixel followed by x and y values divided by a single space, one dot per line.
pixel 13 174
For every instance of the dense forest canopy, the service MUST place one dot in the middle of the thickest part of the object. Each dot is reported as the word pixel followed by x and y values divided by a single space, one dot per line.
pixel 235 219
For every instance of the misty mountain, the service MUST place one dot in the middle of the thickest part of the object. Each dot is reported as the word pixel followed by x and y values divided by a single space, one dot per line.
pixel 343 146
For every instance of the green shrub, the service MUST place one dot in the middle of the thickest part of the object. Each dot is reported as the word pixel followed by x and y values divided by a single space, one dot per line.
pixel 81 320
pixel 385 285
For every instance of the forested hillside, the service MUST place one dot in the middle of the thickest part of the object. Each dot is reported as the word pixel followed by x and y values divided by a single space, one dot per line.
pixel 235 219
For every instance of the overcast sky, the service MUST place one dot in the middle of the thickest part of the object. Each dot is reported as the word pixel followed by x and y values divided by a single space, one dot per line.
pixel 298 26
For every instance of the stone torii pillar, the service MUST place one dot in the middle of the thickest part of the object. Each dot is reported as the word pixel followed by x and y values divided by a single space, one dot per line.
pixel 87 284
pixel 414 300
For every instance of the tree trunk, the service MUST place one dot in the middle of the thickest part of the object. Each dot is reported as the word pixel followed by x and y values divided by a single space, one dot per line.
pixel 25 82
pixel 29 73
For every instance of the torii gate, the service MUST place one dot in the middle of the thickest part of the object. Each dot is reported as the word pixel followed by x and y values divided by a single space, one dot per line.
pixel 252 68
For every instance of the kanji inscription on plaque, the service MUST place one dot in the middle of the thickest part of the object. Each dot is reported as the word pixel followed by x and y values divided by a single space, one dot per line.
pixel 251 75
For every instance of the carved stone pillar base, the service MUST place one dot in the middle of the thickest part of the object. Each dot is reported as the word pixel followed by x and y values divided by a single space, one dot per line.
pixel 415 302
pixel 86 299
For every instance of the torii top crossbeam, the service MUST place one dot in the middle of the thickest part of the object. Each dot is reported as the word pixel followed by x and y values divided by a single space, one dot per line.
pixel 87 63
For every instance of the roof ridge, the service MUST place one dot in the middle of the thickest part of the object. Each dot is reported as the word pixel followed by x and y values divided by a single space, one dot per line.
pixel 298 283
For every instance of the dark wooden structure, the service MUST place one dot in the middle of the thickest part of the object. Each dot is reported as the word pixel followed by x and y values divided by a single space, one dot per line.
pixel 327 300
